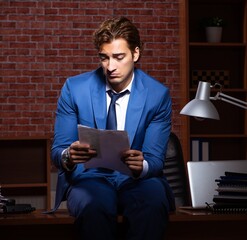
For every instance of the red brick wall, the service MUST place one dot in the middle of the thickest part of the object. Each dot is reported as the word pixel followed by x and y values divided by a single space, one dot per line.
pixel 44 42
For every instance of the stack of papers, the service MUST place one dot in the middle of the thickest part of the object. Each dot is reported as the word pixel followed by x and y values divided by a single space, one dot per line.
pixel 109 144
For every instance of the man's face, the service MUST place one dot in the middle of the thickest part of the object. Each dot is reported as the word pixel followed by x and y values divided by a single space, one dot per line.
pixel 118 63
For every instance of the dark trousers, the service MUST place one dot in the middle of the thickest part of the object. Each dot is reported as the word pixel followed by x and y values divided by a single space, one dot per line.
pixel 96 201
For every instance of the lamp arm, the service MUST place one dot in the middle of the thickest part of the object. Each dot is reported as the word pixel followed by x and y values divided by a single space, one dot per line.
pixel 229 99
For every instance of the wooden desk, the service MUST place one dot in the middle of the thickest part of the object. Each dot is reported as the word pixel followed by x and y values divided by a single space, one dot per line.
pixel 201 225
pixel 38 226
pixel 182 226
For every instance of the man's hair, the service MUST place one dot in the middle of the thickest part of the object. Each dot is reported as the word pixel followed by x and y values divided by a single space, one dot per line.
pixel 116 28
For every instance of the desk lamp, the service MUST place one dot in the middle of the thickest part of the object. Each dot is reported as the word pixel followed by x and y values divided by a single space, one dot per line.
pixel 202 107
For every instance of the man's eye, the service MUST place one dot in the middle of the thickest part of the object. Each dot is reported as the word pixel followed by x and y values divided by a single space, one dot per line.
pixel 121 57
pixel 102 57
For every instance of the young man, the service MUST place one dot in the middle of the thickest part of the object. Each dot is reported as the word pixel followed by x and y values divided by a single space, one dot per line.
pixel 96 196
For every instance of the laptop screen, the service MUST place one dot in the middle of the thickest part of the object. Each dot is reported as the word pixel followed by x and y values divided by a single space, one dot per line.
pixel 202 176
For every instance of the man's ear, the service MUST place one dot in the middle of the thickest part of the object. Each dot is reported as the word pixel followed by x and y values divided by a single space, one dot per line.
pixel 136 54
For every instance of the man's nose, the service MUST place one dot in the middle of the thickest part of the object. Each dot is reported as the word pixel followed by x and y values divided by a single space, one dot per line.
pixel 111 65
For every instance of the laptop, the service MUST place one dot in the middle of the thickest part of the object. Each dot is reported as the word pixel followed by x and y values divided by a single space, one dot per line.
pixel 202 177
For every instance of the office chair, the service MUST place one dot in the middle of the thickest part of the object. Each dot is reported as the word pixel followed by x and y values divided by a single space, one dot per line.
pixel 174 170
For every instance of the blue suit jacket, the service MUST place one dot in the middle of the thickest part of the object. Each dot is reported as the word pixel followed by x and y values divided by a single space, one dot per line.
pixel 83 101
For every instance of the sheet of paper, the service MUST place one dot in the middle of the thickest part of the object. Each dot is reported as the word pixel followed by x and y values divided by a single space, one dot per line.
pixel 109 145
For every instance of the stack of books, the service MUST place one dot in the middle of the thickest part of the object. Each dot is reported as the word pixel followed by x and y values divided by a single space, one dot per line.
pixel 232 193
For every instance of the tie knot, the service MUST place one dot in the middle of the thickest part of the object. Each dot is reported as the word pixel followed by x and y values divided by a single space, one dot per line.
pixel 116 96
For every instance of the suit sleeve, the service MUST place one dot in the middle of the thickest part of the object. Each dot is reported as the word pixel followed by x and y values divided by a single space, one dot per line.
pixel 157 135
pixel 65 130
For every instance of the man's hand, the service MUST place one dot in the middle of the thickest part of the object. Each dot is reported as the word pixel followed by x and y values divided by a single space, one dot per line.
pixel 134 160
pixel 80 153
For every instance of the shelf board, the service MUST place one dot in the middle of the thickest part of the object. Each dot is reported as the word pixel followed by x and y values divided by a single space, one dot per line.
pixel 237 90
pixel 24 185
pixel 15 138
pixel 220 44
pixel 218 135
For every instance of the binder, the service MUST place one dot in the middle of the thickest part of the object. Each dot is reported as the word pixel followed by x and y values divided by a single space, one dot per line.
pixel 199 150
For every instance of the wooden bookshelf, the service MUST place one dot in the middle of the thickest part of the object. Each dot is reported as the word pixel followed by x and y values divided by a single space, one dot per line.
pixel 227 137
pixel 25 170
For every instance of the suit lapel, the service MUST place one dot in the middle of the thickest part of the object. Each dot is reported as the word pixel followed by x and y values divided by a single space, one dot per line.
pixel 99 102
pixel 136 104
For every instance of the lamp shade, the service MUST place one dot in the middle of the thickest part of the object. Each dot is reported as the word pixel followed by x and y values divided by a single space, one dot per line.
pixel 201 106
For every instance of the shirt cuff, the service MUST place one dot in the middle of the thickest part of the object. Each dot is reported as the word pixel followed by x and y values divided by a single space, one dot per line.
pixel 145 169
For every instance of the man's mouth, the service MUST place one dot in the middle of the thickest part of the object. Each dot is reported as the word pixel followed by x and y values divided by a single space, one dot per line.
pixel 111 76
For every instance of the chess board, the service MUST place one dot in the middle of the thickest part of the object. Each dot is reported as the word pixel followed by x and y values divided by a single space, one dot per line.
pixel 213 76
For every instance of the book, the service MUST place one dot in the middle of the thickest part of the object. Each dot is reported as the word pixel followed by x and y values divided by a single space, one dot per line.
pixel 231 189
pixel 236 174
pixel 229 208
pixel 205 151
pixel 195 149
pixel 230 199
pixel 232 181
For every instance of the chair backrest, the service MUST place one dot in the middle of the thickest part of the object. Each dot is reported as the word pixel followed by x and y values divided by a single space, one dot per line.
pixel 174 170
